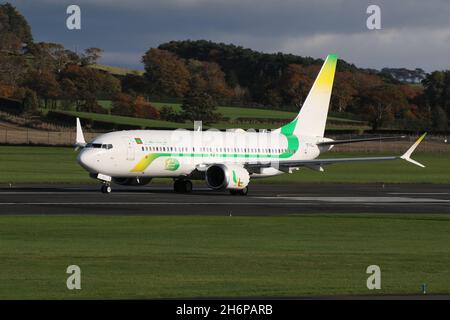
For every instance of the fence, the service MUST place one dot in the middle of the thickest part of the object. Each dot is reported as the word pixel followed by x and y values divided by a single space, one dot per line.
pixel 67 138
pixel 38 137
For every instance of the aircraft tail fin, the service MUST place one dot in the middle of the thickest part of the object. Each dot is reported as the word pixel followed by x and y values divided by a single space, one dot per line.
pixel 79 140
pixel 312 118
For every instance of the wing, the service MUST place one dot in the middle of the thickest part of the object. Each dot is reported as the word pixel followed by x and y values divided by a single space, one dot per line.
pixel 335 142
pixel 286 165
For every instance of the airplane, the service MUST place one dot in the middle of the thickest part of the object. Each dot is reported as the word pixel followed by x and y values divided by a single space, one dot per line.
pixel 225 160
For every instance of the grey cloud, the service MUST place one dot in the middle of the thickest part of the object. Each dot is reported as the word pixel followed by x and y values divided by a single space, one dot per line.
pixel 302 27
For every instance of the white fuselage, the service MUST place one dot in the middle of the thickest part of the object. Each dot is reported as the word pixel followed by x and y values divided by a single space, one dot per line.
pixel 178 153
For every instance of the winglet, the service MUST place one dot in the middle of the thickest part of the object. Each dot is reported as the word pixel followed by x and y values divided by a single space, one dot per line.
pixel 407 155
pixel 79 142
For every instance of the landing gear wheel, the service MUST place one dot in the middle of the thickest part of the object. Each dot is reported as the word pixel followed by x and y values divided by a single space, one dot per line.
pixel 241 192
pixel 106 189
pixel 182 186
pixel 187 186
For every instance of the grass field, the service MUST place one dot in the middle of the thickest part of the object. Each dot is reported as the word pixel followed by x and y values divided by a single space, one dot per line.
pixel 198 256
pixel 334 123
pixel 161 124
pixel 58 165
pixel 117 70
pixel 242 112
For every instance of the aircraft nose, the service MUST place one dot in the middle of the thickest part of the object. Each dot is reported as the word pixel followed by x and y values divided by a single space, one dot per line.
pixel 86 160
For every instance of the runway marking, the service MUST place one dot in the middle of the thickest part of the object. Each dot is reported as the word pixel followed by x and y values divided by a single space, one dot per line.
pixel 302 202
pixel 147 203
pixel 65 192
pixel 360 199
pixel 420 193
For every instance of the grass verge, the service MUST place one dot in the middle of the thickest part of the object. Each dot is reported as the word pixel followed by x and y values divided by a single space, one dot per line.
pixel 201 256
pixel 24 164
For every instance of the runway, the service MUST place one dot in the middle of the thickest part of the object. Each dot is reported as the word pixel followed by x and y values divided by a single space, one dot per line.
pixel 263 199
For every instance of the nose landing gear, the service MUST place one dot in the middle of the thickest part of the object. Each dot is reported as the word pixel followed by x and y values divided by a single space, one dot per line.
pixel 106 188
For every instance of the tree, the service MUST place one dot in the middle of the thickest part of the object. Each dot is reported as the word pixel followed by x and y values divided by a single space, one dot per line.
pixel 166 73
pixel 436 99
pixel 69 93
pixel 122 105
pixel 127 105
pixel 91 56
pixel 91 85
pixel 143 109
pixel 30 101
pixel 6 90
pixel 210 79
pixel 198 105
pixel 44 84
pixel 295 84
pixel 168 114
pixel 12 69
pixel 344 92
pixel 439 118
pixel 51 56
pixel 134 84
pixel 380 104
pixel 15 33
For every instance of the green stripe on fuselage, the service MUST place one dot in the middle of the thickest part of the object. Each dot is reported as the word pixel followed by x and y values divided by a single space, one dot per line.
pixel 287 130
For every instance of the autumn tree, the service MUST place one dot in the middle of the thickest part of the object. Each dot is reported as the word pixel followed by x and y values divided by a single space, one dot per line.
pixel 12 69
pixel 167 113
pixel 380 104
pixel 51 56
pixel 437 98
pixel 15 33
pixel 91 56
pixel 134 84
pixel 45 85
pixel 30 101
pixel 122 105
pixel 166 73
pixel 210 79
pixel 133 106
pixel 344 91
pixel 91 85
pixel 199 105
pixel 69 93
pixel 295 84
pixel 144 109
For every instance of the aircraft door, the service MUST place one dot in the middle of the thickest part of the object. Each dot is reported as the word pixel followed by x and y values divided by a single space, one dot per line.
pixel 130 153
pixel 130 148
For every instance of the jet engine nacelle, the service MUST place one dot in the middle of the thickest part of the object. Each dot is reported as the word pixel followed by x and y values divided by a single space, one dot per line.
pixel 224 176
pixel 132 181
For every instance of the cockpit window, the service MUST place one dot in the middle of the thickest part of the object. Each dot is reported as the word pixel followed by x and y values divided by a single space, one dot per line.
pixel 99 146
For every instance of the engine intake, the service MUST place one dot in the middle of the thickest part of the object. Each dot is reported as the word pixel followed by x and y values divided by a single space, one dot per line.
pixel 232 177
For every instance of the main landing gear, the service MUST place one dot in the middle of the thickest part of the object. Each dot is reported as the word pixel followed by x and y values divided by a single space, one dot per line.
pixel 106 188
pixel 182 186
pixel 241 192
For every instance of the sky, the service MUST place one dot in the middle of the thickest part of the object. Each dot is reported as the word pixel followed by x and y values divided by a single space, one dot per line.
pixel 413 34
